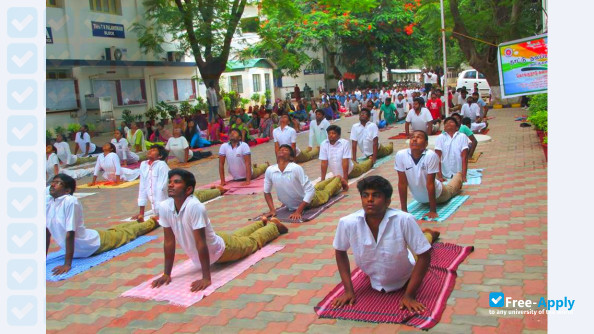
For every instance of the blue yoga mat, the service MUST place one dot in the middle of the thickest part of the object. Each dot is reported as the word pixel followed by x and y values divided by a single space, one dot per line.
pixel 473 177
pixel 444 210
pixel 83 264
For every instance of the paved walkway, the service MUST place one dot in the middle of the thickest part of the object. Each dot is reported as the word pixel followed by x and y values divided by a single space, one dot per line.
pixel 504 218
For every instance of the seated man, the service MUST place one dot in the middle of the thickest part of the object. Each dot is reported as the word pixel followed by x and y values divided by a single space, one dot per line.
pixel 64 221
pixel 465 129
pixel 365 135
pixel 419 118
pixel 184 220
pixel 318 129
pixel 179 147
pixel 336 154
pixel 388 109
pixel 452 148
pixel 238 156
pixel 109 163
pixel 417 169
pixel 382 240
pixel 293 187
pixel 472 110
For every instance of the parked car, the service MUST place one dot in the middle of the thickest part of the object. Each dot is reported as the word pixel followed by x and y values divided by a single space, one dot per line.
pixel 469 77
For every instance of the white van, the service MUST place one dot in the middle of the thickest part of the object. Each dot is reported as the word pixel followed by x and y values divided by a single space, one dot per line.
pixel 469 77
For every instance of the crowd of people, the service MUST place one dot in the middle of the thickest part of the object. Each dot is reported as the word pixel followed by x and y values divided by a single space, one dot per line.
pixel 432 176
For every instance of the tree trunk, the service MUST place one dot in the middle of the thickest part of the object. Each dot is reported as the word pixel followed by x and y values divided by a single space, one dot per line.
pixel 211 71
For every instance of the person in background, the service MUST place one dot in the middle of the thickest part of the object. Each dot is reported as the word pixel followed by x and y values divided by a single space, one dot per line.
pixel 63 153
pixel 83 142
pixel 123 150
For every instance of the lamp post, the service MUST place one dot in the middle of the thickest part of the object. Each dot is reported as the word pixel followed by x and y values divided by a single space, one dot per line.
pixel 445 65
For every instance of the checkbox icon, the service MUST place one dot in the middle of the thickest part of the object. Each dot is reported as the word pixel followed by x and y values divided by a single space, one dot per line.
pixel 22 166
pixel 496 299
pixel 22 58
pixel 21 131
pixel 21 274
pixel 22 310
pixel 22 22
pixel 22 94
pixel 21 238
pixel 22 203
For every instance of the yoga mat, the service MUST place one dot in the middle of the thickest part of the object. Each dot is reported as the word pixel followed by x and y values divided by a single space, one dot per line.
pixel 475 157
pixel 109 185
pixel 176 164
pixel 147 215
pixel 83 264
pixel 259 141
pixel 235 187
pixel 485 131
pixel 402 121
pixel 401 135
pixel 283 212
pixel 178 291
pixel 134 165
pixel 381 307
pixel 83 195
pixel 379 161
pixel 444 210
pixel 473 177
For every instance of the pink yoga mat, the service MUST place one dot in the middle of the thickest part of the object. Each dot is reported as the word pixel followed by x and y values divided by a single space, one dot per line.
pixel 178 291
pixel 235 187
pixel 375 306
pixel 283 212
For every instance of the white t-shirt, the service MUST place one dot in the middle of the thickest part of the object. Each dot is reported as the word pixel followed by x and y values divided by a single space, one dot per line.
pixel 192 216
pixel 64 214
pixel 177 146
pixel 451 152
pixel 64 153
pixel 401 107
pixel 318 133
pixel 110 164
pixel 123 151
pixel 292 185
pixel 287 136
pixel 364 136
pixel 334 154
pixel 82 142
pixel 153 183
pixel 235 156
pixel 416 174
pixel 375 115
pixel 387 261
pixel 471 111
pixel 52 161
pixel 419 122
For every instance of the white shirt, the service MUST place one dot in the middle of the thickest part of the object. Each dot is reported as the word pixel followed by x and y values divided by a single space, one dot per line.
pixel 211 97
pixel 387 261
pixel 451 152
pixel 375 115
pixel 64 214
pixel 401 107
pixel 52 161
pixel 64 153
pixel 287 136
pixel 318 133
pixel 82 142
pixel 364 136
pixel 123 151
pixel 292 185
pixel 334 154
pixel 235 156
pixel 192 216
pixel 461 100
pixel 153 183
pixel 471 111
pixel 416 174
pixel 109 163
pixel 419 122
pixel 177 146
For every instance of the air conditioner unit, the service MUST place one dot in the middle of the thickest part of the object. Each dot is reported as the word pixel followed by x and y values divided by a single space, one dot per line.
pixel 113 53
pixel 174 56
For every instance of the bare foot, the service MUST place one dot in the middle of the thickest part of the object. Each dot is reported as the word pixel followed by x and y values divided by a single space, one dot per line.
pixel 434 234
pixel 264 220
pixel 282 229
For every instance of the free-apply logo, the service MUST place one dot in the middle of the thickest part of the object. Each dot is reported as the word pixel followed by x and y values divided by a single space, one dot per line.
pixel 527 306
pixel 496 299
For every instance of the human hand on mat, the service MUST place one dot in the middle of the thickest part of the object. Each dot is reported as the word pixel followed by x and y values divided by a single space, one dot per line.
pixel 163 280
pixel 411 304
pixel 139 218
pixel 431 215
pixel 346 299
pixel 295 216
pixel 245 183
pixel 271 214
pixel 61 269
pixel 200 284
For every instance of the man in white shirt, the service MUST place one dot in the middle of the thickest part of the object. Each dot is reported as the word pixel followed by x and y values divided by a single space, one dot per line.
pixel 317 129
pixel 335 153
pixel 184 220
pixel 64 221
pixel 340 87
pixel 179 147
pixel 365 135
pixel 239 158
pixel 286 135
pixel 213 102
pixel 472 110
pixel 417 168
pixel 452 148
pixel 419 118
pixel 82 140
pixel 382 240
pixel 153 180
pixel 293 187
pixel 402 107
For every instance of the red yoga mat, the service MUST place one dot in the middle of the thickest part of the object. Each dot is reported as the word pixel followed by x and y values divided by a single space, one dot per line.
pixel 258 141
pixel 401 135
pixel 376 306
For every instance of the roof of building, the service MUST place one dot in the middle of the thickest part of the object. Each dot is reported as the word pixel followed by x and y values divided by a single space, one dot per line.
pixel 238 65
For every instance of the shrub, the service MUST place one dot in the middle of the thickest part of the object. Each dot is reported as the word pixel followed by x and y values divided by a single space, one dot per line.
pixel 244 102
pixel 127 116
pixel 59 130
pixel 185 109
pixel 255 97
pixel 538 103
pixel 73 127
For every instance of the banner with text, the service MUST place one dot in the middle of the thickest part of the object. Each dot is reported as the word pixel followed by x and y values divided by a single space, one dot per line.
pixel 523 66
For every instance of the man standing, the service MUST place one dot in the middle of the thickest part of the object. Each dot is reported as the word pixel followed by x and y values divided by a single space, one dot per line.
pixel 419 117
pixel 452 148
pixel 417 168
pixel 297 93
pixel 365 135
pixel 340 88
pixel 213 102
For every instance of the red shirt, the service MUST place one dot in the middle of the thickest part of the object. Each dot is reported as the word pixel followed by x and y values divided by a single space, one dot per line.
pixel 434 107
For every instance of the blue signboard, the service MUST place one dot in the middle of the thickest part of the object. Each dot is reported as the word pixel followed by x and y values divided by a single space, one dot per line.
pixel 103 29
pixel 49 38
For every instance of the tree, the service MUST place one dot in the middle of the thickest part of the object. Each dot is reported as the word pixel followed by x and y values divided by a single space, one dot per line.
pixel 204 28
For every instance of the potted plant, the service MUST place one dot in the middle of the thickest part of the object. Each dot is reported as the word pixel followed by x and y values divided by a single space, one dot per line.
pixel 59 130
pixel 244 102
pixel 127 116
pixel 185 109
pixel 255 97
pixel 139 122
pixel 92 129
pixel 72 130
pixel 48 136
pixel 151 114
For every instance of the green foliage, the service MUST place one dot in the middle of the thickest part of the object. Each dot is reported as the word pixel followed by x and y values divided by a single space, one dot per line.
pixel 545 140
pixel 151 113
pixel 255 97
pixel 538 102
pixel 249 24
pixel 166 111
pixel 48 135
pixel 244 102
pixel 231 99
pixel 59 130
pixel 73 127
pixel 185 109
pixel 200 105
pixel 139 118
pixel 127 116
pixel 92 127
pixel 538 115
